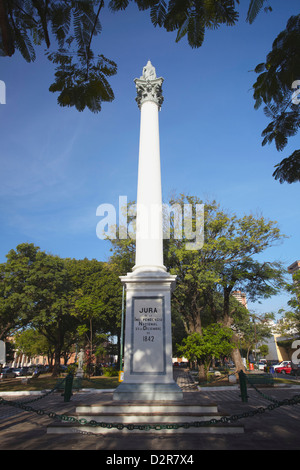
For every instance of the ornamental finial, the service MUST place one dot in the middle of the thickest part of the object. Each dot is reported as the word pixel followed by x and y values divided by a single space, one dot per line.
pixel 149 72
pixel 149 87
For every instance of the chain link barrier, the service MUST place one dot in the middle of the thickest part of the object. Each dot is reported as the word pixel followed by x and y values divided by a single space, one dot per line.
pixel 150 427
pixel 59 385
pixel 295 400
pixel 259 391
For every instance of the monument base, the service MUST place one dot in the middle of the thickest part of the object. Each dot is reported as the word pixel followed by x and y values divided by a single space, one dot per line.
pixel 148 368
pixel 148 392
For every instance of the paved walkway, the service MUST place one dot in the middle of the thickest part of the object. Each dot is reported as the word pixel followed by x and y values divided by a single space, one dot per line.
pixel 184 380
pixel 278 429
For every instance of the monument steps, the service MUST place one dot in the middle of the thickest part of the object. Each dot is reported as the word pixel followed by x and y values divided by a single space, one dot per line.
pixel 145 414
pixel 149 408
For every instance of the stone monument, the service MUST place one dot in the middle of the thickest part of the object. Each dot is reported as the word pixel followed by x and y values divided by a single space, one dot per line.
pixel 148 369
pixel 79 372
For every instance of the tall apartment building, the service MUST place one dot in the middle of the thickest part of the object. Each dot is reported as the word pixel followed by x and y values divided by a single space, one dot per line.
pixel 241 297
pixel 293 269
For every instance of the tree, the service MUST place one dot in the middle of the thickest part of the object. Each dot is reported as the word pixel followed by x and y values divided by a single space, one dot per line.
pixel 36 291
pixel 289 322
pixel 60 299
pixel 288 327
pixel 81 76
pixel 253 332
pixel 16 306
pixel 98 302
pixel 195 296
pixel 52 295
pixel 31 343
pixel 189 17
pixel 278 76
pixel 227 261
pixel 264 350
pixel 215 342
pixel 254 8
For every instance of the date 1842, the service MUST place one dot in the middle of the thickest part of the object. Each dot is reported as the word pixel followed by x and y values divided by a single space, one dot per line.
pixel 148 338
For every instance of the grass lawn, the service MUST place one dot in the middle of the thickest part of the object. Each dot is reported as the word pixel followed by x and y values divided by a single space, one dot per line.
pixel 223 381
pixel 47 382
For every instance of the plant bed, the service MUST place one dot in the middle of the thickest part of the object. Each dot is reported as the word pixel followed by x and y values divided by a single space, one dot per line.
pixel 47 382
pixel 215 381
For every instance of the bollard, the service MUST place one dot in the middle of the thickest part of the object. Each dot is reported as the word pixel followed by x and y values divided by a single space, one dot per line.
pixel 243 386
pixel 68 388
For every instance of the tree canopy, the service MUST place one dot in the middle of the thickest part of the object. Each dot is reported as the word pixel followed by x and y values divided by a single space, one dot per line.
pixel 67 29
pixel 60 299
pixel 277 77
pixel 70 301
pixel 81 76
pixel 229 260
pixel 214 343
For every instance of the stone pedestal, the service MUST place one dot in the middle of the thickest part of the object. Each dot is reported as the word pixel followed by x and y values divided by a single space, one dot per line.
pixel 148 369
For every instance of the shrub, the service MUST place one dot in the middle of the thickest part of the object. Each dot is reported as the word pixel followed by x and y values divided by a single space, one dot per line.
pixel 110 372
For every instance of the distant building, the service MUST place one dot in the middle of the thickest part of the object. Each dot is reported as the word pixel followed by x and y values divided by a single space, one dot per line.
pixel 293 268
pixel 241 297
pixel 275 351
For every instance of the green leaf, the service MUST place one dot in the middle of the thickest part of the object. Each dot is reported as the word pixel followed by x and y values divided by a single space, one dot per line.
pixel 254 9
pixel 288 170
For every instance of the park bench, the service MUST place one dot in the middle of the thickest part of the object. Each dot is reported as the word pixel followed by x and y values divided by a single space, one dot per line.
pixel 260 379
pixel 246 380
pixel 76 384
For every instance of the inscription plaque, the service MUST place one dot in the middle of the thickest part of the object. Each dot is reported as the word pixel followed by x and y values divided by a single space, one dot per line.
pixel 148 336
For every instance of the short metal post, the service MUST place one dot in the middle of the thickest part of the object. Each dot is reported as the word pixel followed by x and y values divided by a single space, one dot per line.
pixel 68 387
pixel 243 386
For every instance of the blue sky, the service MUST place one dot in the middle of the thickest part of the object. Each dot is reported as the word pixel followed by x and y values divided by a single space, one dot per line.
pixel 59 165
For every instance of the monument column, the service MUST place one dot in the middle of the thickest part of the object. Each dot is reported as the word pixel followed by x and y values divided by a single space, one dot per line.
pixel 148 369
pixel 149 231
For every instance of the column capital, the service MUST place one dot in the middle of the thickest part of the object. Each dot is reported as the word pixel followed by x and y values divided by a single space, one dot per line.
pixel 149 87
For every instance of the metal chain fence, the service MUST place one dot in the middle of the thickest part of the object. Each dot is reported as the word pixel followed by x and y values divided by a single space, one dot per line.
pixel 295 400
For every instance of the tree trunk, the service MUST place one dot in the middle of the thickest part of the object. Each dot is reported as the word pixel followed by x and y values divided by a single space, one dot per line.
pixel 237 359
pixel 201 372
pixel 193 324
pixel 7 36
pixel 57 350
pixel 227 321
pixel 55 371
